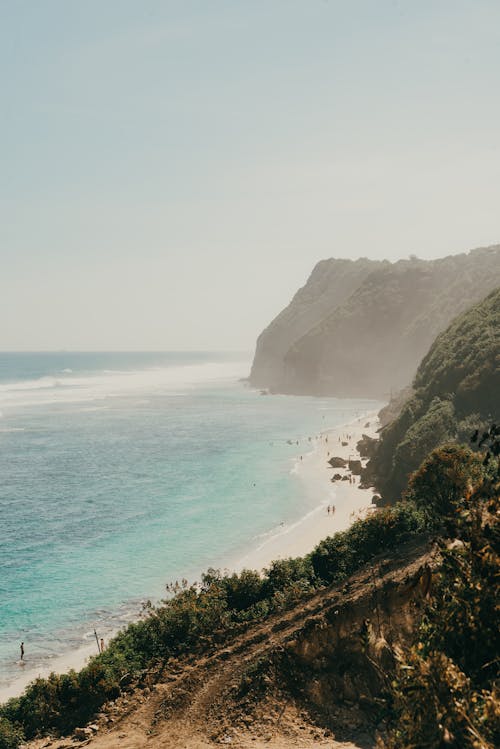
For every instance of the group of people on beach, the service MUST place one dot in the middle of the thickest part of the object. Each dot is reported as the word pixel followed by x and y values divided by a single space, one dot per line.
pixel 330 509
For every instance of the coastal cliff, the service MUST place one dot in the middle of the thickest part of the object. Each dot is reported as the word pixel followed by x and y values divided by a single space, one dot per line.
pixel 330 284
pixel 359 329
pixel 456 391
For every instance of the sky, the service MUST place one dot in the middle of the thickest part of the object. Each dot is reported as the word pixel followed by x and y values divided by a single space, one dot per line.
pixel 171 171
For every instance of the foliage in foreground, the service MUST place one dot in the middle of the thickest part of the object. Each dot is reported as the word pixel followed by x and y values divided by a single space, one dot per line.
pixel 447 690
pixel 198 618
pixel 10 735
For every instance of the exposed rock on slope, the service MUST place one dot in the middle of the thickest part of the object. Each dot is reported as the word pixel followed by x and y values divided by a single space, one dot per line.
pixel 360 329
pixel 456 390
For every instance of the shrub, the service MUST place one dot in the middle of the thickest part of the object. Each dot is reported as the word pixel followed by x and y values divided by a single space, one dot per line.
pixel 10 735
pixel 287 573
pixel 444 481
pixel 339 556
pixel 241 590
pixel 433 428
pixel 446 690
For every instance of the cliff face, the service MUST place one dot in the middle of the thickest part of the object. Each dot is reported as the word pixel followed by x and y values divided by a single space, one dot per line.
pixel 361 328
pixel 330 285
pixel 456 390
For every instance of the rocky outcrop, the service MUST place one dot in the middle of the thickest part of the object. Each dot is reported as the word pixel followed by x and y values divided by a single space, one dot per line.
pixel 337 462
pixel 355 467
pixel 367 446
pixel 359 329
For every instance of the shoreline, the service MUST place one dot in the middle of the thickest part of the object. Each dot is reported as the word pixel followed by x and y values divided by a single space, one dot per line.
pixel 294 540
pixel 314 472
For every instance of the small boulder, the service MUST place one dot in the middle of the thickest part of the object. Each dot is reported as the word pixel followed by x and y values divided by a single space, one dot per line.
pixel 81 734
pixel 355 467
pixel 337 462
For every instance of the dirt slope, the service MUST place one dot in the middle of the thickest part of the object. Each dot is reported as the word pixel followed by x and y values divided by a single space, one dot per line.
pixel 312 676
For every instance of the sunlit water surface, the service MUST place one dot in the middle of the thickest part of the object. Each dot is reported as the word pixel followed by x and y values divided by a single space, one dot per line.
pixel 121 472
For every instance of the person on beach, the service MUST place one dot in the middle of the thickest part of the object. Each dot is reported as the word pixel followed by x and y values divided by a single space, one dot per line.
pixel 22 651
pixel 102 646
pixel 328 509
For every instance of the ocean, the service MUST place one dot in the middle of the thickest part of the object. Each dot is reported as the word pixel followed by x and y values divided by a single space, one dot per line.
pixel 122 472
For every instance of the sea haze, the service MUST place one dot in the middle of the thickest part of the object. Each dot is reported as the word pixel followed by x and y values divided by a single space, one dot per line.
pixel 123 471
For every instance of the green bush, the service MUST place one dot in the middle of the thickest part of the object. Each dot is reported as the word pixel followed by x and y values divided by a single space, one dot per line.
pixel 62 701
pixel 446 690
pixel 435 426
pixel 444 481
pixel 339 556
pixel 10 735
pixel 287 573
pixel 241 590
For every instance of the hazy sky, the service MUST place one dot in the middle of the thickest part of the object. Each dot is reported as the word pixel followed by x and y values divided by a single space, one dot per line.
pixel 171 171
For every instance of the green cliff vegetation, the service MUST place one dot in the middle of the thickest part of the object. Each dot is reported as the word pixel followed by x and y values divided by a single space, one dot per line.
pixel 360 329
pixel 456 391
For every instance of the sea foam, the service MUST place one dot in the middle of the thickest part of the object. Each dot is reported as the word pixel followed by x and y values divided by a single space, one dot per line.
pixel 72 388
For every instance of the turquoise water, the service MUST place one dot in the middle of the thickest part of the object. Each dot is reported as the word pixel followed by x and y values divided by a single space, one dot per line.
pixel 122 472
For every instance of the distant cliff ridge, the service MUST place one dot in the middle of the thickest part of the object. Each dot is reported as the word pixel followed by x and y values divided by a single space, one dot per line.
pixel 330 285
pixel 360 328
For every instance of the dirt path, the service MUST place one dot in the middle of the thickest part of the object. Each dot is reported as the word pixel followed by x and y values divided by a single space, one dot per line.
pixel 197 704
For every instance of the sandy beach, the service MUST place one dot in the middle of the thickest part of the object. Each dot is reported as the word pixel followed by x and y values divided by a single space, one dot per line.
pixel 296 539
pixel 350 502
